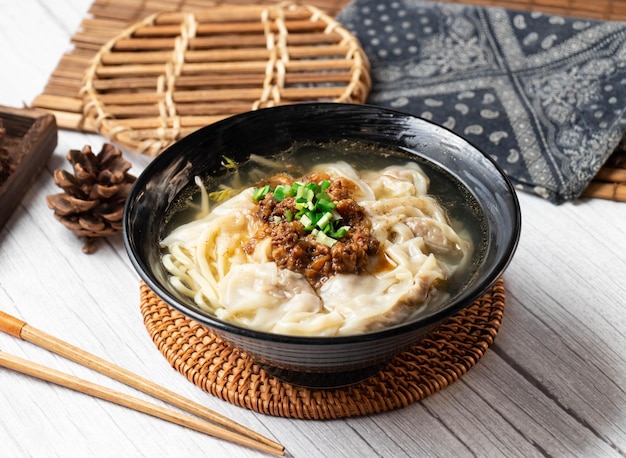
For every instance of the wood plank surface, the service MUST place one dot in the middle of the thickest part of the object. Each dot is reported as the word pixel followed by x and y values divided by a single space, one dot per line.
pixel 553 384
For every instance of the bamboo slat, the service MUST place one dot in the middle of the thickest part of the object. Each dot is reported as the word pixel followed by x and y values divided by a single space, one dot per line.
pixel 139 89
pixel 108 18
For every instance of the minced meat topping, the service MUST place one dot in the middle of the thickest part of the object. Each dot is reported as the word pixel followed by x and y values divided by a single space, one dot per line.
pixel 299 250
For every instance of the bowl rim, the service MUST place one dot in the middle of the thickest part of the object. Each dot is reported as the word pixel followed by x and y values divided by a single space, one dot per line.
pixel 464 299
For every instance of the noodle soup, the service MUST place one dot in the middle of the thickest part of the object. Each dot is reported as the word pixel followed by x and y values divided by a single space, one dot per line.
pixel 479 200
pixel 383 238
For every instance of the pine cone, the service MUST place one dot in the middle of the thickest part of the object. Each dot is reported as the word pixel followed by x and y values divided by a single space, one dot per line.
pixel 93 202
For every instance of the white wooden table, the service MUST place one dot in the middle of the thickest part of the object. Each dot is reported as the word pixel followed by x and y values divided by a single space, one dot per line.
pixel 553 384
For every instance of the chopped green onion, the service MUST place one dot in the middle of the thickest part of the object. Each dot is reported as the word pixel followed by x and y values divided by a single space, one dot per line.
pixel 314 208
pixel 324 220
pixel 306 221
pixel 339 233
pixel 260 193
pixel 281 192
pixel 325 205
pixel 300 192
pixel 322 238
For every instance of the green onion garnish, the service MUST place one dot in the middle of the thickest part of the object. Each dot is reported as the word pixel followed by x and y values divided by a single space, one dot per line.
pixel 341 232
pixel 307 222
pixel 260 193
pixel 324 220
pixel 314 208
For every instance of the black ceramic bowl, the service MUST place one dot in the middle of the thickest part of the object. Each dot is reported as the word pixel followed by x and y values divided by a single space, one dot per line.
pixel 323 361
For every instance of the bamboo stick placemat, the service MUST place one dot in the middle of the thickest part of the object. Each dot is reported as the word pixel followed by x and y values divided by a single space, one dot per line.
pixel 441 358
pixel 172 73
pixel 108 18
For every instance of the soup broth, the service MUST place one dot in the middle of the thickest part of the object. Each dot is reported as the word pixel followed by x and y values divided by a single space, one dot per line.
pixel 462 214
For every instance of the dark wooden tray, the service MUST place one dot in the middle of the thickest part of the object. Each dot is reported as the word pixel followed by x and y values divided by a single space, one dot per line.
pixel 29 140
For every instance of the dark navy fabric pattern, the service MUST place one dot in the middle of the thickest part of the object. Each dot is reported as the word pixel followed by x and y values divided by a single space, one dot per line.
pixel 544 95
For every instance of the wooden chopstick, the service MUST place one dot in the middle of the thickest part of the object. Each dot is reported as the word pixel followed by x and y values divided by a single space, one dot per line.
pixel 77 384
pixel 22 330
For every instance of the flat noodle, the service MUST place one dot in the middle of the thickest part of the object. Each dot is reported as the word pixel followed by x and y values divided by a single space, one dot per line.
pixel 419 251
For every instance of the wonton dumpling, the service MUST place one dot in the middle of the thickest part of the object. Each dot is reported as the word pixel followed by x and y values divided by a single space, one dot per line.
pixel 418 250
pixel 266 298
pixel 398 181
pixel 381 299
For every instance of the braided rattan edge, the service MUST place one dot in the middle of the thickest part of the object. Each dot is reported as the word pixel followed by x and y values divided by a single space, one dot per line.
pixel 441 358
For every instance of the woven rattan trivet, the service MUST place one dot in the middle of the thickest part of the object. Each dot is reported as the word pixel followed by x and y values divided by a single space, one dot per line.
pixel 174 72
pixel 440 359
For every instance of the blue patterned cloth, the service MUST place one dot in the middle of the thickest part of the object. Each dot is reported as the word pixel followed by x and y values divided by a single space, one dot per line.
pixel 544 95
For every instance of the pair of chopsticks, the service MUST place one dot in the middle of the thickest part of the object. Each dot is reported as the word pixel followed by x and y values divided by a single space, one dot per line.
pixel 217 426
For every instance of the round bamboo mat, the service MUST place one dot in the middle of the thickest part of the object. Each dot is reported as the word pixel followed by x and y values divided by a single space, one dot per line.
pixel 441 358
pixel 174 72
